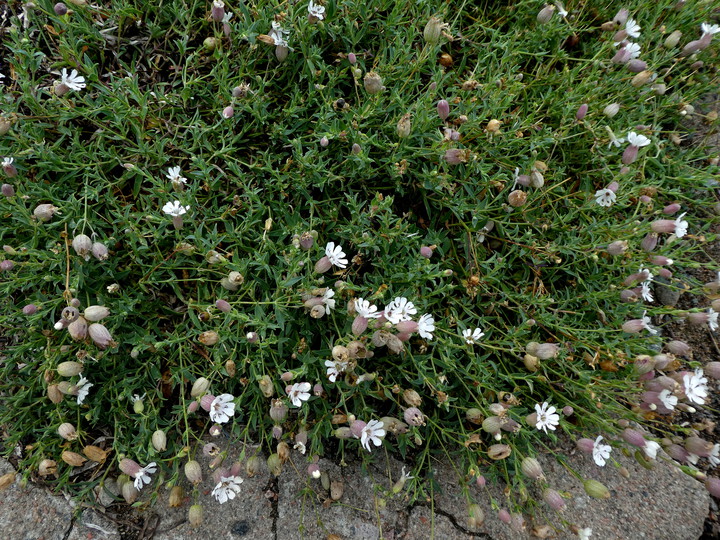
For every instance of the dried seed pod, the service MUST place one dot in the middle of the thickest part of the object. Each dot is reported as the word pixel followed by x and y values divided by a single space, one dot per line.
pixel 72 458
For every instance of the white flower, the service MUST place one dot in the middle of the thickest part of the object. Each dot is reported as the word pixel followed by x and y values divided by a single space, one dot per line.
pixel 137 397
pixel 632 28
pixel 300 447
pixel 601 451
pixel 562 12
pixel 372 432
pixel 646 324
pixel 142 477
pixel 299 392
pixel 175 208
pixel 175 177
pixel 334 369
pixel 648 274
pixel 681 226
pixel 226 490
pixel 399 310
pixel 222 408
pixel 605 197
pixel 316 11
pixel 667 399
pixel 83 388
pixel 278 34
pixel 712 319
pixel 614 141
pixel 426 326
pixel 584 534
pixel 651 449
pixel 546 417
pixel 472 336
pixel 364 309
pixel 633 49
pixel 693 458
pixel 336 255
pixel 73 81
pixel 7 161
pixel 226 18
pixel 637 140
pixel 714 457
pixel 328 300
pixel 711 29
pixel 645 291
pixel 695 387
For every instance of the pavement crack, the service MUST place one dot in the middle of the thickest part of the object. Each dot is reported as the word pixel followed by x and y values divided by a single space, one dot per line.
pixel 272 493
pixel 453 521
pixel 73 519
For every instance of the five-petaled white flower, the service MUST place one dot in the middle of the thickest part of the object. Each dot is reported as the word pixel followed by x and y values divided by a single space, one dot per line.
pixel 714 457
pixel 299 392
pixel 645 291
pixel 695 386
pixel 681 226
pixel 646 324
pixel 7 161
pixel 546 417
pixel 400 310
pixel 364 309
pixel 651 449
pixel 605 197
pixel 336 255
pixel 372 432
pixel 227 489
pixel 316 11
pixel 278 34
pixel 711 29
pixel 712 319
pixel 633 49
pixel 173 174
pixel 83 388
pixel 472 336
pixel 426 326
pixel 584 534
pixel 73 81
pixel 222 408
pixel 632 28
pixel 328 300
pixel 638 140
pixel 668 399
pixel 334 369
pixel 142 477
pixel 601 451
pixel 175 208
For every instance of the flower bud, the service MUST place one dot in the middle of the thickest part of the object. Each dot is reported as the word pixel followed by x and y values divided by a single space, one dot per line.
pixel 545 14
pixel 649 242
pixel 670 209
pixel 596 490
pixel 100 336
pixel 159 440
pixel 200 387
pixel 193 472
pixel 29 309
pixel 82 245
pixel 611 110
pixel 217 12
pixel 433 30
pixel 617 248
pixel 630 154
pixel 404 126
pixel 443 109
pixel 633 437
pixel 67 431
pixel 60 9
pixel 499 451
pixel 95 313
pixel 581 112
pixel 531 468
pixel 636 65
pixel 228 112
pixel 414 417
pixel 553 499
pixel 274 464
pixel 504 516
pixel 8 190
pixel 195 515
pixel 373 83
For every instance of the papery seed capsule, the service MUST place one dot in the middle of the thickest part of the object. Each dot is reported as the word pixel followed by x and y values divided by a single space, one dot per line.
pixel 274 464
pixel 474 416
pixel 553 499
pixel 47 467
pixel 200 387
pixel 531 468
pixel 611 110
pixel 641 78
pixel 504 516
pixel 617 248
pixel 596 490
pixel 373 83
pixel 100 336
pixel 195 515
pixel 673 39
pixel 499 451
pixel 67 431
pixel 545 14
pixel 636 65
pixel 193 472
pixel 69 369
pixel 95 313
pixel 517 198
pixel 433 30
pixel 404 126
pixel 443 109
pixel 414 417
pixel 476 516
pixel 82 244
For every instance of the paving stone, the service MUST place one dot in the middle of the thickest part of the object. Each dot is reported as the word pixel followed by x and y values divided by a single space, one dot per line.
pixel 424 524
pixel 365 511
pixel 31 513
pixel 93 524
